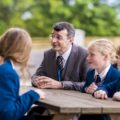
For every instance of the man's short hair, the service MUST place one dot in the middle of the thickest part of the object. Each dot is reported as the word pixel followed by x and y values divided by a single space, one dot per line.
pixel 64 25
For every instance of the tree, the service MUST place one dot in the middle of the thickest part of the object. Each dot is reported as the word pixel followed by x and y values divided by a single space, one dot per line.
pixel 37 16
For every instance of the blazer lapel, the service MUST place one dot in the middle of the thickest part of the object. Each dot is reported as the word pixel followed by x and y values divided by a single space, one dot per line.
pixel 108 76
pixel 52 62
pixel 70 63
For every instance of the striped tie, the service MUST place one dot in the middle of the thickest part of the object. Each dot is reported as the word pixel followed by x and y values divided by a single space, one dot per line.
pixel 97 79
pixel 60 66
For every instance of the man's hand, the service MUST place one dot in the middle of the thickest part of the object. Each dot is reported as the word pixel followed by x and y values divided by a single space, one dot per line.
pixel 116 96
pixel 90 89
pixel 46 82
pixel 100 94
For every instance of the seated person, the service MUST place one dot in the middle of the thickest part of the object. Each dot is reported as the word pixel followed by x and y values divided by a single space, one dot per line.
pixel 15 47
pixel 69 72
pixel 109 90
pixel 112 89
pixel 64 66
pixel 101 53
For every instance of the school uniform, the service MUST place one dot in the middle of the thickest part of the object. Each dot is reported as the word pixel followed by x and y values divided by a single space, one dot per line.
pixel 109 75
pixel 12 105
pixel 111 88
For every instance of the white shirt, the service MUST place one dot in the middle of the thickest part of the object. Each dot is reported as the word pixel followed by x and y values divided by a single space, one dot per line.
pixel 22 81
pixel 103 73
pixel 65 55
pixel 12 64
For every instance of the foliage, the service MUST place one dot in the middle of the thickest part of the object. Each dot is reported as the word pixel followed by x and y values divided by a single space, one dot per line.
pixel 96 17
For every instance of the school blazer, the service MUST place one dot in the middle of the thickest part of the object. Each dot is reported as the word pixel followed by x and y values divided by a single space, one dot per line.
pixel 12 105
pixel 111 76
pixel 74 71
pixel 111 87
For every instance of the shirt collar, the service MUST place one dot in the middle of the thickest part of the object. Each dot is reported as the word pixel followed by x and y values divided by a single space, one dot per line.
pixel 13 66
pixel 66 54
pixel 16 67
pixel 103 73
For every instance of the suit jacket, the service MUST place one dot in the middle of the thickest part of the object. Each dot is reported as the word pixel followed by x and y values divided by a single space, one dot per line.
pixel 111 76
pixel 13 106
pixel 74 71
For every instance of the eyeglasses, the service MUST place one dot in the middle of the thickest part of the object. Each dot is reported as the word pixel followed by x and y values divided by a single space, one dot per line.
pixel 57 37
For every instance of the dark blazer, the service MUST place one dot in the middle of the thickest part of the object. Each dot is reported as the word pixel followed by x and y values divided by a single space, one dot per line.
pixel 74 71
pixel 111 88
pixel 13 106
pixel 111 76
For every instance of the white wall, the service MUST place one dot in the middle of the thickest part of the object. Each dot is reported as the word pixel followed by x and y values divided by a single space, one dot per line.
pixel 79 37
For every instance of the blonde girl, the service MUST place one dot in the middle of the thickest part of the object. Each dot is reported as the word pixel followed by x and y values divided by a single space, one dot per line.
pixel 101 54
pixel 15 48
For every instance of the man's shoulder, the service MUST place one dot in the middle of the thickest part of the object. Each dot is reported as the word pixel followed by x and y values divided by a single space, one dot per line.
pixel 49 51
pixel 80 48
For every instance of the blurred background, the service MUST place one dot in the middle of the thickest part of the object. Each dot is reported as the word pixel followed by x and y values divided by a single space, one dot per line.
pixel 91 18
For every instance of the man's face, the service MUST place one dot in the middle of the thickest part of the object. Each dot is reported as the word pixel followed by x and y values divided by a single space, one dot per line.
pixel 60 41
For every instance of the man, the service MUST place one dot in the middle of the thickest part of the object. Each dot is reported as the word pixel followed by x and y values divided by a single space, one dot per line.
pixel 69 71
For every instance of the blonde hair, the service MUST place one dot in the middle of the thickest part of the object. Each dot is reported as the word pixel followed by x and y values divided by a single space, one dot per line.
pixel 105 47
pixel 16 44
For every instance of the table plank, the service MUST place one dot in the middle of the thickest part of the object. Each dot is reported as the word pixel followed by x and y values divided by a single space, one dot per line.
pixel 108 106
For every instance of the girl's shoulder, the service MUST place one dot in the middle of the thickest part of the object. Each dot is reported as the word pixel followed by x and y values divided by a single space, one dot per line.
pixel 6 67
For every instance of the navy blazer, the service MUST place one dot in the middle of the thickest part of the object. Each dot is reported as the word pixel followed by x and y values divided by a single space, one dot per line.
pixel 112 75
pixel 12 105
pixel 111 88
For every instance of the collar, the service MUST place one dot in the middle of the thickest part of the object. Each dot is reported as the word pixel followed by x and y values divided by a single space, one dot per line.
pixel 65 55
pixel 12 64
pixel 16 67
pixel 104 72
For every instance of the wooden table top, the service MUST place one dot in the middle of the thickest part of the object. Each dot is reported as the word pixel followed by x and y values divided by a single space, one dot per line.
pixel 69 102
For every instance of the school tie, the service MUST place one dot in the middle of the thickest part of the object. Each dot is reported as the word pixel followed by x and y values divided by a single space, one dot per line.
pixel 97 79
pixel 60 66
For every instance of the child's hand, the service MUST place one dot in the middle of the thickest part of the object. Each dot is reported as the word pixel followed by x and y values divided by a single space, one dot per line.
pixel 116 96
pixel 90 89
pixel 100 94
pixel 41 93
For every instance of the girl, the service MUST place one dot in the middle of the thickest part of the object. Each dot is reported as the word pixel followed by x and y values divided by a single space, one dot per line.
pixel 101 54
pixel 15 47
pixel 111 89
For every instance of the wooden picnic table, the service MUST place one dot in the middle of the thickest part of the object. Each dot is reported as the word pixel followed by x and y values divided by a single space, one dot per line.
pixel 66 103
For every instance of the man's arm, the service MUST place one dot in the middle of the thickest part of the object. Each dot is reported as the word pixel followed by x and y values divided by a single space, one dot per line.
pixel 39 72
pixel 83 69
pixel 69 85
